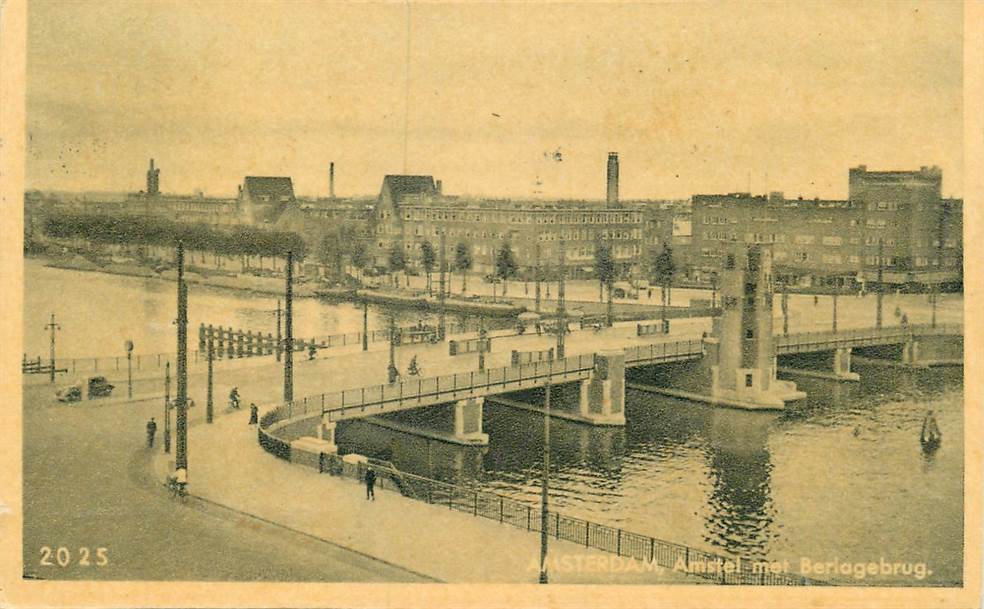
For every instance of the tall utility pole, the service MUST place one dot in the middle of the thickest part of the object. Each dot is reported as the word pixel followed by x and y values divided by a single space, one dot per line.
pixel 879 295
pixel 442 329
pixel 536 277
pixel 52 326
pixel 561 310
pixel 365 325
pixel 181 421
pixel 836 290
pixel 280 338
pixel 289 331
pixel 167 407
pixel 545 486
pixel 208 398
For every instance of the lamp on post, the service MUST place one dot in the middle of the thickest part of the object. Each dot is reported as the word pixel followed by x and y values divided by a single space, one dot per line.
pixel 391 372
pixel 167 407
pixel 129 369
pixel 545 486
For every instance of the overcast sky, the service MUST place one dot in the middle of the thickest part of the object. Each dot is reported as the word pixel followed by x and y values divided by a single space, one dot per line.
pixel 695 98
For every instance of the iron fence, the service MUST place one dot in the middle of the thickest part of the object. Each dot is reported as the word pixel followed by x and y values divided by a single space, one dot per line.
pixel 505 510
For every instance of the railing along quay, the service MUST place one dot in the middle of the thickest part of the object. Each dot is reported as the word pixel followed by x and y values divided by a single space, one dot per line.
pixel 505 510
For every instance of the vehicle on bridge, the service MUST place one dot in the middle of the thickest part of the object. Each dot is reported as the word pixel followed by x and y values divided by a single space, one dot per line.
pixel 96 386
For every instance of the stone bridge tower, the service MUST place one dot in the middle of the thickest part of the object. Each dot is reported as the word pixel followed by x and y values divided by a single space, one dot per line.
pixel 741 352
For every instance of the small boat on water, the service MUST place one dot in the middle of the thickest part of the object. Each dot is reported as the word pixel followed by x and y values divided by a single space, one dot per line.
pixel 930 437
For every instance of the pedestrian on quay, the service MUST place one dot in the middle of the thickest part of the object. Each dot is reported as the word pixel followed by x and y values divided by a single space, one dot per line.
pixel 151 432
pixel 370 483
pixel 254 414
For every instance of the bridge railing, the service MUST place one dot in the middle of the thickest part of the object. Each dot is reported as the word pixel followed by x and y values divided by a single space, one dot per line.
pixel 848 337
pixel 365 401
pixel 664 350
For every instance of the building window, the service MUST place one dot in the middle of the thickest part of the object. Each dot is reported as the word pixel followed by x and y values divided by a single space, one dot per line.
pixel 749 333
pixel 748 380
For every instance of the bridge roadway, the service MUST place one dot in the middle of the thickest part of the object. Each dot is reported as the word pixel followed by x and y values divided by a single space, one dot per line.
pixel 405 395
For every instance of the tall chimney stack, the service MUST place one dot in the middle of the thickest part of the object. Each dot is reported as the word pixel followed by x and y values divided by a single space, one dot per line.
pixel 153 180
pixel 331 179
pixel 612 199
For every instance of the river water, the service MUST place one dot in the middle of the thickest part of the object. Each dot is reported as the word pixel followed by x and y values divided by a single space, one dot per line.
pixel 839 477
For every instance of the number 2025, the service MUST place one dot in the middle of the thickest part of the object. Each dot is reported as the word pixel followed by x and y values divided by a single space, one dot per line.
pixel 62 557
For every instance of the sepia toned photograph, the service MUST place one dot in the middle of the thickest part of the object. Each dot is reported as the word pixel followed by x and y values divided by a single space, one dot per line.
pixel 590 296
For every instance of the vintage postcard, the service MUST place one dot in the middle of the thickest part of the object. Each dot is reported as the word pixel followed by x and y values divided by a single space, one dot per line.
pixel 472 304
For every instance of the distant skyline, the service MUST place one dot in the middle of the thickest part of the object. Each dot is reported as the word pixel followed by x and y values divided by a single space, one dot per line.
pixel 504 100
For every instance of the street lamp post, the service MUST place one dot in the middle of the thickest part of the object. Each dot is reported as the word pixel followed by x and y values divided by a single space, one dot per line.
pixel 545 486
pixel 289 330
pixel 129 369
pixel 880 294
pixel 167 407
pixel 52 326
pixel 391 372
pixel 181 420
pixel 561 310
pixel 442 330
pixel 481 342
pixel 365 325
pixel 208 394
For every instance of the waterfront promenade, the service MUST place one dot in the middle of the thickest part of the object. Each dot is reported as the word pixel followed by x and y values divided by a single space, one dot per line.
pixel 228 468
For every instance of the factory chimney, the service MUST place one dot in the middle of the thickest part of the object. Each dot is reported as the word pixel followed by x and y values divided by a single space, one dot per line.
pixel 331 179
pixel 612 199
pixel 153 180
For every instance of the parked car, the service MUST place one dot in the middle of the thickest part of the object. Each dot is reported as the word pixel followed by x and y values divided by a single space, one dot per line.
pixel 96 387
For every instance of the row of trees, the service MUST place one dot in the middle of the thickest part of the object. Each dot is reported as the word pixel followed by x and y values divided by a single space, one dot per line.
pixel 343 242
pixel 461 263
pixel 140 230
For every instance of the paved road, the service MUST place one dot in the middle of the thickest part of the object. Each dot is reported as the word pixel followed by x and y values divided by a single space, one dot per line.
pixel 87 484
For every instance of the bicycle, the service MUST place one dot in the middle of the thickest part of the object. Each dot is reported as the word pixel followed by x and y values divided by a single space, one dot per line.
pixel 177 489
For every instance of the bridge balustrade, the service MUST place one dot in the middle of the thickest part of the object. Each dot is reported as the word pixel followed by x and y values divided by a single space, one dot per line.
pixel 409 393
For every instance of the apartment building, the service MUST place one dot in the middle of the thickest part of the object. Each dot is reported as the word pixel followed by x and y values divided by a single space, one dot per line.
pixel 895 221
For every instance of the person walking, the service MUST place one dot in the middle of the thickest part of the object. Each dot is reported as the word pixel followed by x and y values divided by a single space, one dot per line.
pixel 151 432
pixel 370 483
pixel 254 414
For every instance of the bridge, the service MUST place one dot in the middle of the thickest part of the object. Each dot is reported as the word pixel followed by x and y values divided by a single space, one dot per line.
pixel 601 378
pixel 734 366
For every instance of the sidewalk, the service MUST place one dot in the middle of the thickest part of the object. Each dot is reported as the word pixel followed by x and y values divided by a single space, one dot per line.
pixel 228 467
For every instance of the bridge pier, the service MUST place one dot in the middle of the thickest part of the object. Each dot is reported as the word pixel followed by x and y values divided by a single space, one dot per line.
pixel 468 421
pixel 602 399
pixel 842 365
pixel 924 351
pixel 326 433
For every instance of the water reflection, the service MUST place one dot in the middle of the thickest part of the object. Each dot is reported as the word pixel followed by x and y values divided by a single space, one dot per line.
pixel 740 513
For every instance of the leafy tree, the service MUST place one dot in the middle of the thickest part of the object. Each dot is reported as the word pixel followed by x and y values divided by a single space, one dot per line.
pixel 427 260
pixel 605 270
pixel 397 259
pixel 359 254
pixel 331 252
pixel 463 262
pixel 663 269
pixel 505 265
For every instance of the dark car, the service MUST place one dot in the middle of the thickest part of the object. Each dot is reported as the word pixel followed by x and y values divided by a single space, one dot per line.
pixel 99 387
